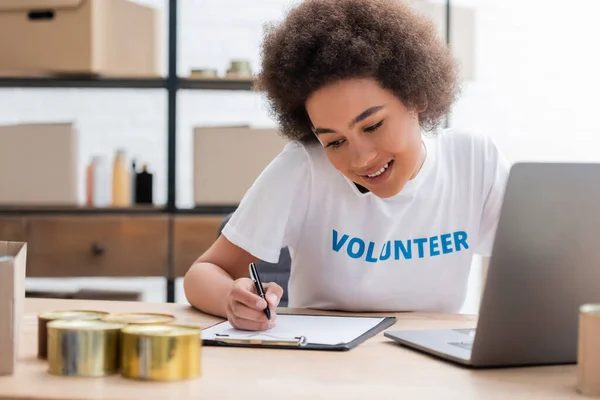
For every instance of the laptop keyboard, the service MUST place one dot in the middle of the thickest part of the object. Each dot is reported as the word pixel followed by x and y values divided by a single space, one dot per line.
pixel 468 331
pixel 464 345
pixel 468 345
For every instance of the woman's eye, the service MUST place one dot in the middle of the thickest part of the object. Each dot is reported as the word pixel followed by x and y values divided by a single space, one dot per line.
pixel 335 143
pixel 374 127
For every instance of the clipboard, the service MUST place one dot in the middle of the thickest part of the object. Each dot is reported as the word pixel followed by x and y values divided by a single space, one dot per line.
pixel 301 332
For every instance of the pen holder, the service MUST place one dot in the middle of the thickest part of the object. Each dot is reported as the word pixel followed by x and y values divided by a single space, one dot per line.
pixel 588 351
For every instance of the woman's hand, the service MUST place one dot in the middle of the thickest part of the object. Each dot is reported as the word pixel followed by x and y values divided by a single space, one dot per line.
pixel 245 309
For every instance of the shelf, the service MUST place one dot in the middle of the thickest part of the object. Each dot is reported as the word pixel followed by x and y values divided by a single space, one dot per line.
pixel 135 210
pixel 215 84
pixel 48 209
pixel 82 82
pixel 207 209
pixel 123 83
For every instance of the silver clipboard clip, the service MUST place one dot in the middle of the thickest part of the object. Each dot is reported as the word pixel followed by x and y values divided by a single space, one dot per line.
pixel 260 339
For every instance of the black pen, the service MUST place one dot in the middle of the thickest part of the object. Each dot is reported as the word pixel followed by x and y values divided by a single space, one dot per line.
pixel 259 288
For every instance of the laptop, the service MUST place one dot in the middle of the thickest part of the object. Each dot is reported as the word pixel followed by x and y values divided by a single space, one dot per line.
pixel 544 265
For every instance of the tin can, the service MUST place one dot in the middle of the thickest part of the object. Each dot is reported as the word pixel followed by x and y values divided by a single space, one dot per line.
pixel 588 350
pixel 44 318
pixel 160 352
pixel 86 348
pixel 239 69
pixel 204 73
pixel 138 318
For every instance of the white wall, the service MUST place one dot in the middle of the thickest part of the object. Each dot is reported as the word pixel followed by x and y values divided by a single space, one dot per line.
pixel 538 79
pixel 535 91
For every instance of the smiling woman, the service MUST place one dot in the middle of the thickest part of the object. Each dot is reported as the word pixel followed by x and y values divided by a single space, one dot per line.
pixel 368 134
pixel 380 209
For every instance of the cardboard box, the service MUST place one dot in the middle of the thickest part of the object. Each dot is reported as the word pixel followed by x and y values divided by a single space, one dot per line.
pixel 13 260
pixel 227 161
pixel 39 164
pixel 73 37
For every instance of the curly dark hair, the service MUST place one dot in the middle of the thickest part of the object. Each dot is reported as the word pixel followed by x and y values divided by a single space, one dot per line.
pixel 322 41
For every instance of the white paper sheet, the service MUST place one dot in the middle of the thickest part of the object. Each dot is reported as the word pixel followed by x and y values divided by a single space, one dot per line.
pixel 327 330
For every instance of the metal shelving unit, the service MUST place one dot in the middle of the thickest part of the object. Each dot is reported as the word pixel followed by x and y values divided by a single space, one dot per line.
pixel 123 83
pixel 172 83
pixel 82 82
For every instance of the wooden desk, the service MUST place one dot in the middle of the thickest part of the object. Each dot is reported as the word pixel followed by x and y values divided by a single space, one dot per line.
pixel 377 369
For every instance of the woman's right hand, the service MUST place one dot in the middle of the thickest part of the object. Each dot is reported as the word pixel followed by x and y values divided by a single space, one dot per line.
pixel 245 309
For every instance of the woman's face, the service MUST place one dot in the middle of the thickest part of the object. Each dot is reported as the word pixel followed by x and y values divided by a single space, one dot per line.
pixel 368 134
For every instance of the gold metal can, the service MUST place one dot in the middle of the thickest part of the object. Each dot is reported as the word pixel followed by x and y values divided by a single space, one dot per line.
pixel 88 348
pixel 45 317
pixel 139 318
pixel 160 352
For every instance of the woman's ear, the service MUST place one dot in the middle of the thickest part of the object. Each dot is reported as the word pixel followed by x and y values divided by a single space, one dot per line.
pixel 422 104
pixel 417 109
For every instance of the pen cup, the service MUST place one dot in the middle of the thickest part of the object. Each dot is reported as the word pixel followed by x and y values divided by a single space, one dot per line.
pixel 588 351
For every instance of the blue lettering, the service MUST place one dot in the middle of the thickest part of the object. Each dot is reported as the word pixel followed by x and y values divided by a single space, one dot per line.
pixel 387 249
pixel 361 248
pixel 406 251
pixel 420 243
pixel 446 243
pixel 460 238
pixel 337 245
pixel 433 246
pixel 370 253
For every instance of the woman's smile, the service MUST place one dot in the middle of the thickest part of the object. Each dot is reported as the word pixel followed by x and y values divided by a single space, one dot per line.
pixel 380 175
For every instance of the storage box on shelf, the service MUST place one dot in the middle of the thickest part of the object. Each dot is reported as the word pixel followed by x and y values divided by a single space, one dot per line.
pixel 13 261
pixel 88 37
pixel 39 164
pixel 249 151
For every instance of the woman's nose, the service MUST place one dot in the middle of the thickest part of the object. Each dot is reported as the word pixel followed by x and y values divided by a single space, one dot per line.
pixel 362 155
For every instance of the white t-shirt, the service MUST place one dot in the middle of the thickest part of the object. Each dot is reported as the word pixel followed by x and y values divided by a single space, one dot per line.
pixel 357 252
